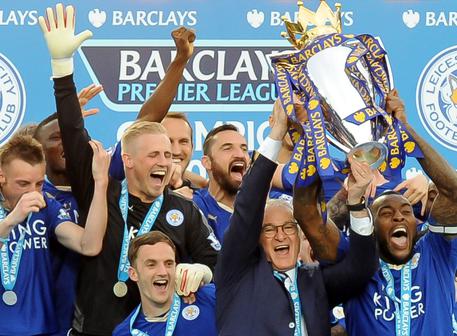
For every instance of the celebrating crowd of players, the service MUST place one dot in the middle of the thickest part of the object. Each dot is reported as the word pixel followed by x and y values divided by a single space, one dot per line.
pixel 127 244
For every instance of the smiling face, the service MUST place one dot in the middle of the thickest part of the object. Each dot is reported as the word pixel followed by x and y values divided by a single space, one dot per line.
pixel 147 161
pixel 154 272
pixel 227 160
pixel 180 135
pixel 282 249
pixel 395 227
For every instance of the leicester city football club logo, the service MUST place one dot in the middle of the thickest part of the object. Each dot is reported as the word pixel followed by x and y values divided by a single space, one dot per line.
pixel 12 99
pixel 191 312
pixel 415 260
pixel 436 97
pixel 175 217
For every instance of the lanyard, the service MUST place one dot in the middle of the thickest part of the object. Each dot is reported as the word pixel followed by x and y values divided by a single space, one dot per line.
pixel 9 270
pixel 172 319
pixel 146 226
pixel 402 305
pixel 294 295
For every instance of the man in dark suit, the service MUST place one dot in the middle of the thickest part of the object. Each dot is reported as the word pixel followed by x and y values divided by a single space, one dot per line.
pixel 261 290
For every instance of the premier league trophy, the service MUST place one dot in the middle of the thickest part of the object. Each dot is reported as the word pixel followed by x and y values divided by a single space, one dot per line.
pixel 342 81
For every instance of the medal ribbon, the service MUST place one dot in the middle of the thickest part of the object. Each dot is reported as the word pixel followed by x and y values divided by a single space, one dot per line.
pixel 172 319
pixel 402 305
pixel 294 296
pixel 9 271
pixel 146 226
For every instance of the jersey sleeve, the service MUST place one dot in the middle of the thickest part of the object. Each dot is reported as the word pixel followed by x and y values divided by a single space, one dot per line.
pixel 207 294
pixel 116 168
pixel 442 249
pixel 56 214
pixel 75 140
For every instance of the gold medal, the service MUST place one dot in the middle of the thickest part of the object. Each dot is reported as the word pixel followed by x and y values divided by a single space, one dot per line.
pixel 120 289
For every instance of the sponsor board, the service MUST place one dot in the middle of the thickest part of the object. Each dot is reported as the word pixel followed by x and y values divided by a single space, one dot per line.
pixel 229 75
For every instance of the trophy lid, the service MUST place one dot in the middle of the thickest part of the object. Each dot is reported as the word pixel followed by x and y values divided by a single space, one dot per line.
pixel 312 24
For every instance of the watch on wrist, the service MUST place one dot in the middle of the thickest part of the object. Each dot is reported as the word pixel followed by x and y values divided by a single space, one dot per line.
pixel 357 207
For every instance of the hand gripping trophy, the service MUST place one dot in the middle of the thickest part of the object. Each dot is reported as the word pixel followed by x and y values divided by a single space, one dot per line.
pixel 342 81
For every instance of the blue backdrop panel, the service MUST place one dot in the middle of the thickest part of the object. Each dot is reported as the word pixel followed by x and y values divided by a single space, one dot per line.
pixel 228 78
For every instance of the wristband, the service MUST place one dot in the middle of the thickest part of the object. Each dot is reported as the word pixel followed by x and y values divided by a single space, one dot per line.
pixel 357 207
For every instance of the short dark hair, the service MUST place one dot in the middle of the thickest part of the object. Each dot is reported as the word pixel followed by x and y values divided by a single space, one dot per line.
pixel 182 116
pixel 27 129
pixel 22 147
pixel 150 238
pixel 43 123
pixel 210 137
pixel 387 193
pixel 384 193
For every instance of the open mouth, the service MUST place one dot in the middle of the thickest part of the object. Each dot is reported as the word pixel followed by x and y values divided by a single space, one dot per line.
pixel 158 176
pixel 177 160
pixel 160 284
pixel 282 249
pixel 237 170
pixel 399 238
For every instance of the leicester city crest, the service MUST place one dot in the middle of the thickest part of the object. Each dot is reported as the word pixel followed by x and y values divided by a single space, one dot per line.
pixel 436 97
pixel 175 217
pixel 12 99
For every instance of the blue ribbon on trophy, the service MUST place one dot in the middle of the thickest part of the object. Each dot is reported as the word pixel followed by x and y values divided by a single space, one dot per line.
pixel 303 166
pixel 343 81
pixel 298 163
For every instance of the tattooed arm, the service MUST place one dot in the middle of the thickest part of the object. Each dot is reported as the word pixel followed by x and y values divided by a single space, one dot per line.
pixel 337 209
pixel 437 168
pixel 323 237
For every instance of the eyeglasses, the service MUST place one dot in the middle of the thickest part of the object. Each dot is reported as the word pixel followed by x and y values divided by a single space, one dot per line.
pixel 289 228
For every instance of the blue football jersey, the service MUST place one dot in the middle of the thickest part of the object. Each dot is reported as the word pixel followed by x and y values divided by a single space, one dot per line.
pixel 65 263
pixel 217 215
pixel 34 313
pixel 432 294
pixel 116 167
pixel 197 319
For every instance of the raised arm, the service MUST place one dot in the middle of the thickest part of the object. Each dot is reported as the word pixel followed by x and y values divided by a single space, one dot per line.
pixel 323 237
pixel 241 240
pixel 435 166
pixel 348 277
pixel 89 241
pixel 62 43
pixel 156 107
